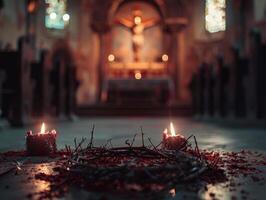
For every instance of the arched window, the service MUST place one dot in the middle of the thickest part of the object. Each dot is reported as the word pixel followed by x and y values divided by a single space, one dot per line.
pixel 215 15
pixel 56 16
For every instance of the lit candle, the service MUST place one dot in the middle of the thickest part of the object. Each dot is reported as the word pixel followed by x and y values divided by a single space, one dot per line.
pixel 173 141
pixel 41 143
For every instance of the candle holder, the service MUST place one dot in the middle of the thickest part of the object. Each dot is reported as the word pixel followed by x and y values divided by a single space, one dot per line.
pixel 41 144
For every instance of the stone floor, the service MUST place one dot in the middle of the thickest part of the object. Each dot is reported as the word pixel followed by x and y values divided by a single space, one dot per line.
pixel 212 136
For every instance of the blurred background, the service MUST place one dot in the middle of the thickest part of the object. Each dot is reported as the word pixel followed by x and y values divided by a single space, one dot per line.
pixel 63 58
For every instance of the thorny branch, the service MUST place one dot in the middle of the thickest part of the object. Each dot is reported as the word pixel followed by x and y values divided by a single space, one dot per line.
pixel 91 141
pixel 142 136
pixel 104 162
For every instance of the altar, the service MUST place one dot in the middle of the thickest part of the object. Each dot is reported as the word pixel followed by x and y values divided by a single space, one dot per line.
pixel 152 91
pixel 138 61
pixel 137 68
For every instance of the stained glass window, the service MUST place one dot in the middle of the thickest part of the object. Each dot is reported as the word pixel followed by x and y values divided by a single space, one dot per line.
pixel 56 14
pixel 215 15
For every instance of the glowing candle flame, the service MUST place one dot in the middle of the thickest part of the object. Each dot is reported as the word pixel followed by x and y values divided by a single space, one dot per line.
pixel 172 129
pixel 43 128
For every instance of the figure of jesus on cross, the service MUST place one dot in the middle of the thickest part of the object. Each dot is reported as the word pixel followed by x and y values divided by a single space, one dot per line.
pixel 137 26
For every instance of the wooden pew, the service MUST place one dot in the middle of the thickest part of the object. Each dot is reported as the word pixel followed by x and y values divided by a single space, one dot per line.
pixel 239 68
pixel 42 88
pixel 17 87
pixel 63 84
pixel 257 80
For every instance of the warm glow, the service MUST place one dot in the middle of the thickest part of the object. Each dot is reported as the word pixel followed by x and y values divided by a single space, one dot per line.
pixel 165 57
pixel 138 75
pixel 165 133
pixel 111 58
pixel 171 132
pixel 43 128
pixel 172 192
pixel 215 15
pixel 40 185
pixel 137 20
pixel 172 129
pixel 53 132
pixel 104 96
pixel 53 15
pixel 31 7
pixel 66 17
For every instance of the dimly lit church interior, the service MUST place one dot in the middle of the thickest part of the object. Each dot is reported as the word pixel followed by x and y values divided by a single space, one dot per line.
pixel 133 99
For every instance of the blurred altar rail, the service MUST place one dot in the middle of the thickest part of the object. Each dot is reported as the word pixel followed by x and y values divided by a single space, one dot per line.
pixel 133 110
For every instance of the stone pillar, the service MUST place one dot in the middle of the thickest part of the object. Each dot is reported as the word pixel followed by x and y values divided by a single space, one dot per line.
pixel 173 63
pixel 173 27
pixel 100 21
pixel 101 29
pixel 100 74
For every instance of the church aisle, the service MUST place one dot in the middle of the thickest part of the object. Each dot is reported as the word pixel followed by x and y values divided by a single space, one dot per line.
pixel 209 136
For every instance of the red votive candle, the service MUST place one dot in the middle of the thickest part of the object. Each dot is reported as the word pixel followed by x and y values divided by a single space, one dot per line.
pixel 173 141
pixel 42 143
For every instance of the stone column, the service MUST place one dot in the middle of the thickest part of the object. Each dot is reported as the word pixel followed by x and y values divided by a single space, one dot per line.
pixel 100 21
pixel 173 26
pixel 100 74
pixel 173 63
pixel 101 29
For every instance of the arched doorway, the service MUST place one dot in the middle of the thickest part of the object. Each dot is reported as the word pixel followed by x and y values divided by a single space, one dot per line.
pixel 153 60
pixel 136 67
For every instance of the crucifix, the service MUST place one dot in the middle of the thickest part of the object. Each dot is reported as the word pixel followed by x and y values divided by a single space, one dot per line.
pixel 137 26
